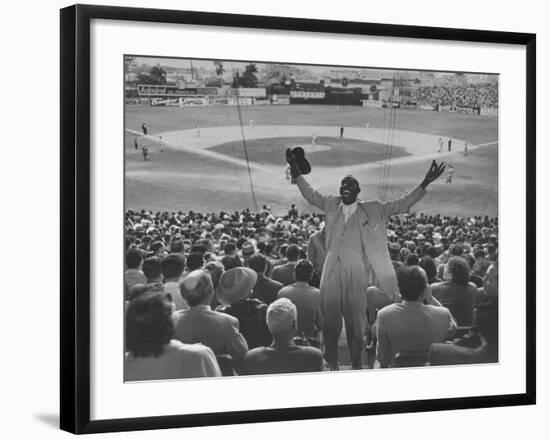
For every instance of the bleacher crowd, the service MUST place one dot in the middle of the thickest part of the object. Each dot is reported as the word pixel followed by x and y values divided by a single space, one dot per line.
pixel 237 293
pixel 472 95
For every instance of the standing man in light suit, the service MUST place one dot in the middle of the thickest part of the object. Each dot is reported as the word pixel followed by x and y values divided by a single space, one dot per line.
pixel 357 257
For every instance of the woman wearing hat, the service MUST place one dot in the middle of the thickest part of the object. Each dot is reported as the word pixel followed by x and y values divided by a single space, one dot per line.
pixel 234 291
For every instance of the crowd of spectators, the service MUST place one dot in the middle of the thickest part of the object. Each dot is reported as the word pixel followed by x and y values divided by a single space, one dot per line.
pixel 472 95
pixel 237 293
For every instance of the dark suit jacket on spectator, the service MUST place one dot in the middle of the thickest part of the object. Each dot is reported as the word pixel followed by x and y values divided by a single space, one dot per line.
pixel 266 289
pixel 251 315
pixel 459 299
pixel 285 273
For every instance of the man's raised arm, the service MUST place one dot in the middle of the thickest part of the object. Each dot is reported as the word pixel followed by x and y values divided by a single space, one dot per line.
pixel 404 203
pixel 312 196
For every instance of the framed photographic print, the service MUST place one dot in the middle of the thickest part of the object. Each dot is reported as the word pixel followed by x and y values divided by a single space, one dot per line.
pixel 292 219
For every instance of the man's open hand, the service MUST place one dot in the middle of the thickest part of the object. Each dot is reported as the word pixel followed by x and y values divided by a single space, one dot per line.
pixel 433 173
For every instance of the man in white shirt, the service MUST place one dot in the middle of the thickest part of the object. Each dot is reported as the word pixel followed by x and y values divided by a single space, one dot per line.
pixel 411 326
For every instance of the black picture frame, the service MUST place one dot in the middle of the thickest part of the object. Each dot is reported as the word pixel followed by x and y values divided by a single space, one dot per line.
pixel 75 216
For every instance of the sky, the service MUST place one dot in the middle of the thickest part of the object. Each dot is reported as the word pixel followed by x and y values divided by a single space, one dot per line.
pixel 231 66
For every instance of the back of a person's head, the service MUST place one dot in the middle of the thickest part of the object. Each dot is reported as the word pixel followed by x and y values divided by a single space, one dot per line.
pixel 156 246
pixel 151 268
pixel 459 270
pixel 149 324
pixel 281 318
pixel 197 287
pixel 292 252
pixel 469 259
pixel 258 263
pixel 412 259
pixel 195 260
pixel 479 253
pixel 133 258
pixel 303 270
pixel 230 262
pixel 172 266
pixel 457 250
pixel 428 265
pixel 177 246
pixel 412 282
pixel 139 289
pixel 230 248
pixel 486 319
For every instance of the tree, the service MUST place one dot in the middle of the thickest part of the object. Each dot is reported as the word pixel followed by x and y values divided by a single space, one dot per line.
pixel 249 78
pixel 219 68
pixel 158 74
pixel 236 81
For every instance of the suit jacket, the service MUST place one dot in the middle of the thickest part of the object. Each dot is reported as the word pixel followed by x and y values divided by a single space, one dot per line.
pixel 284 273
pixel 266 289
pixel 218 331
pixel 373 215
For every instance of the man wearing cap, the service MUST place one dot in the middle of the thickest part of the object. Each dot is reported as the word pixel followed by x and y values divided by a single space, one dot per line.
pixel 234 293
pixel 357 257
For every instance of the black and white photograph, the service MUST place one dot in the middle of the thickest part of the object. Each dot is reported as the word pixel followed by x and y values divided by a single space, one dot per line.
pixel 286 218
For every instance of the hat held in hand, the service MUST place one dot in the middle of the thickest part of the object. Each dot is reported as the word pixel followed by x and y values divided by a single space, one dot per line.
pixel 300 158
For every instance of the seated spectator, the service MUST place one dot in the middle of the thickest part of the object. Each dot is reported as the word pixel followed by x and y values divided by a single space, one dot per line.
pixel 458 294
pixel 486 324
pixel 265 289
pixel 395 250
pixel 490 282
pixel 411 326
pixel 285 273
pixel 199 324
pixel 157 247
pixel 307 300
pixel 134 275
pixel 215 270
pixel 231 258
pixel 317 253
pixel 474 278
pixel 283 356
pixel 172 267
pixel 247 251
pixel 152 270
pixel 152 353
pixel 195 261
pixel 428 265
pixel 234 294
pixel 481 263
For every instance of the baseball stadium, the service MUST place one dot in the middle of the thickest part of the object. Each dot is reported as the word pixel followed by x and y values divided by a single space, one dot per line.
pixel 212 186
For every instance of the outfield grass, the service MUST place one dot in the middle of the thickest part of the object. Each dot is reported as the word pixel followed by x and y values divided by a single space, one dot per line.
pixel 474 129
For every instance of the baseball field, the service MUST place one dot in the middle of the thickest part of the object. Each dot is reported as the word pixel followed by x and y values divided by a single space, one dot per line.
pixel 197 159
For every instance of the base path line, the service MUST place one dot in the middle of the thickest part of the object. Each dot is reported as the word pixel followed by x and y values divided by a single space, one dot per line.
pixel 203 152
